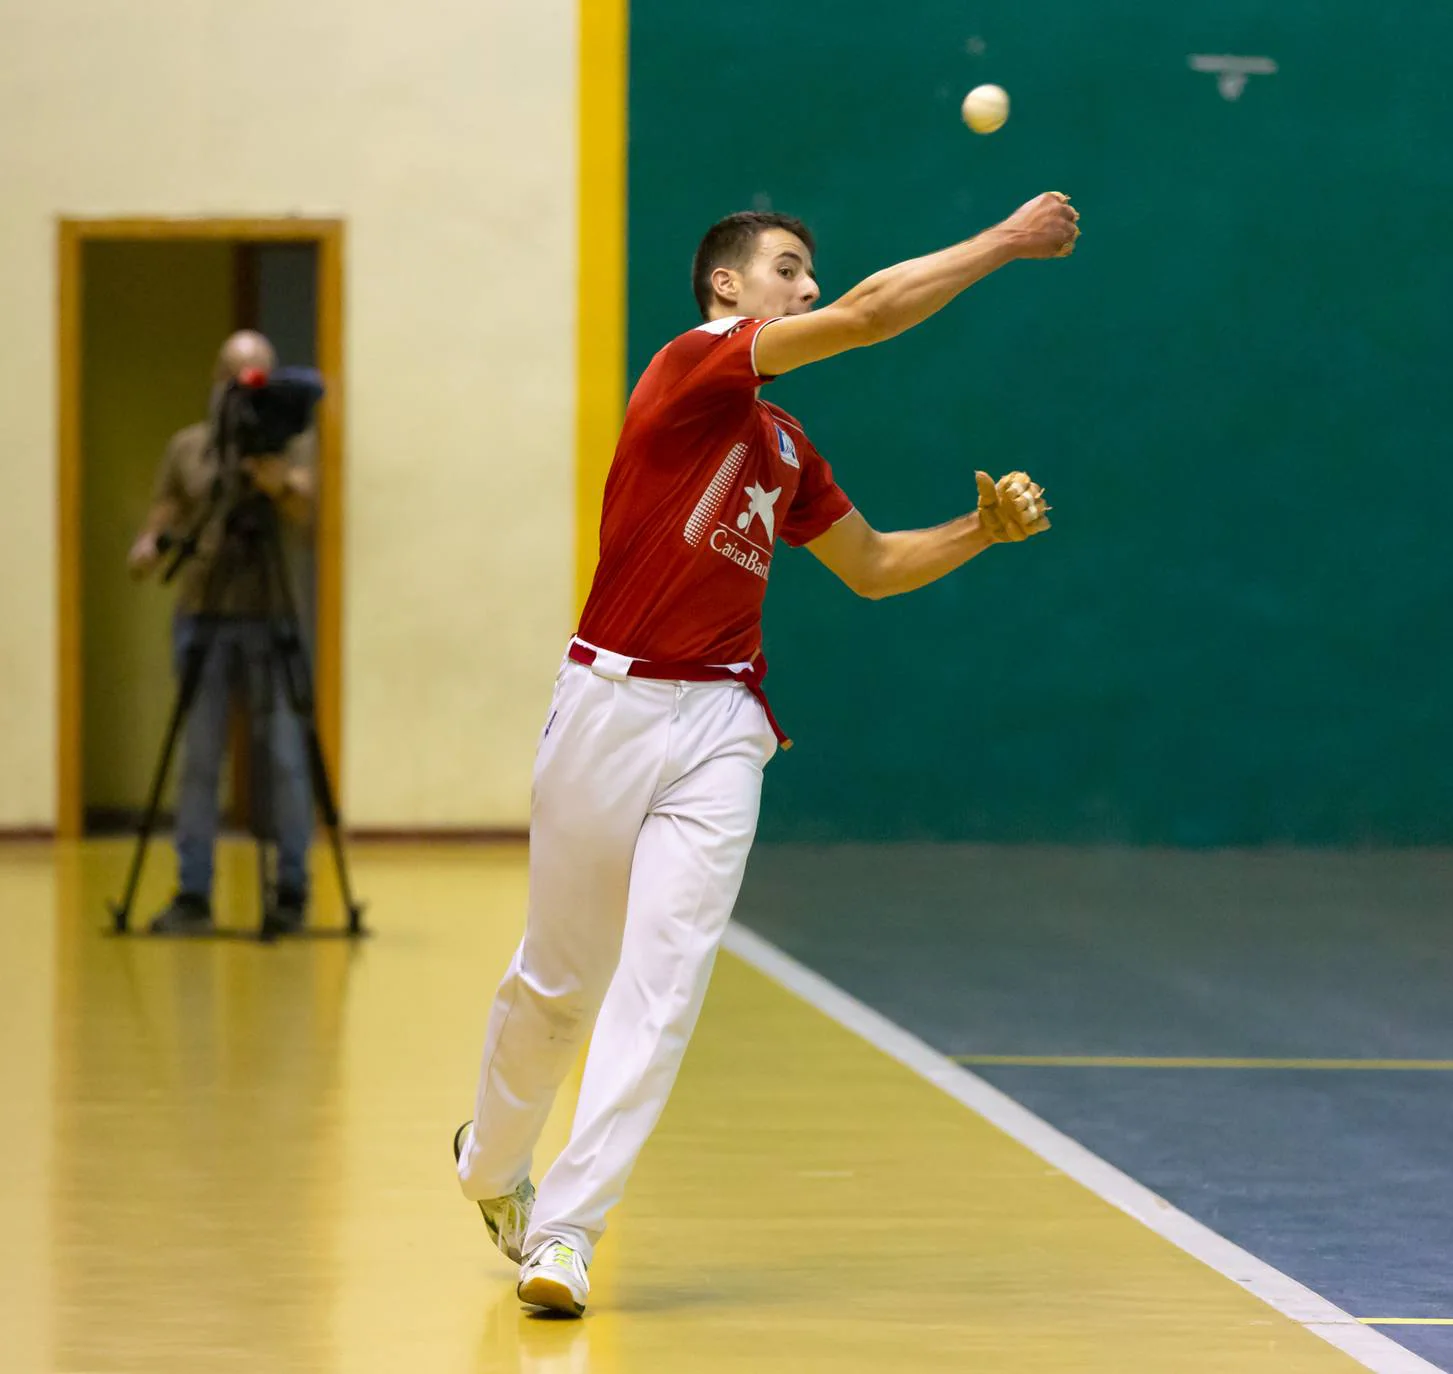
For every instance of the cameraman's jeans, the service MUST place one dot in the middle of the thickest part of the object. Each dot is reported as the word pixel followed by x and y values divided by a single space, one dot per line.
pixel 238 645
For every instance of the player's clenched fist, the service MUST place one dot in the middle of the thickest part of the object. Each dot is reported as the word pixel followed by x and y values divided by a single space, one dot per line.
pixel 1045 227
pixel 1012 508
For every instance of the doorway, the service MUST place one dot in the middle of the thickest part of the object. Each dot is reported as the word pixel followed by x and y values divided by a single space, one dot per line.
pixel 144 306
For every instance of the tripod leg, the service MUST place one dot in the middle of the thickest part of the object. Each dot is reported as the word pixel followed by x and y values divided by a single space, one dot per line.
pixel 298 682
pixel 323 788
pixel 193 661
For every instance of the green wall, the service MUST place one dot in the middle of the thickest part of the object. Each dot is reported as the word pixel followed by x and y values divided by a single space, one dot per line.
pixel 154 316
pixel 1239 630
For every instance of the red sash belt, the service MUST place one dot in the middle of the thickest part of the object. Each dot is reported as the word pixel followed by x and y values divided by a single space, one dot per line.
pixel 751 677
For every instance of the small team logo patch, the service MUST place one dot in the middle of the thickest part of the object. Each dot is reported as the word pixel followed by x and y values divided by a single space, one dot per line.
pixel 786 449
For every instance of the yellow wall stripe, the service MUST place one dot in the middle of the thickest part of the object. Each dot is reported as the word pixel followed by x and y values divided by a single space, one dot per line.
pixel 601 290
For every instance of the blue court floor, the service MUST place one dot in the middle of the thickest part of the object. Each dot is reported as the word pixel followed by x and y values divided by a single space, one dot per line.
pixel 1263 1038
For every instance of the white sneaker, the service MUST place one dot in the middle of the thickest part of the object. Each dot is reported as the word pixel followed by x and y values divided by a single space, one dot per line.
pixel 554 1277
pixel 507 1218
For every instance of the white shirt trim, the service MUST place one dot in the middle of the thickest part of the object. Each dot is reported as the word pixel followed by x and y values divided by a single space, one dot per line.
pixel 725 326
pixel 720 326
pixel 756 371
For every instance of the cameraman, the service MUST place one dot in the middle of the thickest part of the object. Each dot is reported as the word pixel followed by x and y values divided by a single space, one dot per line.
pixel 186 484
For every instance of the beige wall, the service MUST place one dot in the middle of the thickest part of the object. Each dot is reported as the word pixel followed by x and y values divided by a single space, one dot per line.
pixel 444 133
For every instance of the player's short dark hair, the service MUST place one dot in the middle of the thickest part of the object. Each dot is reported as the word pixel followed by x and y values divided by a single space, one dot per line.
pixel 730 242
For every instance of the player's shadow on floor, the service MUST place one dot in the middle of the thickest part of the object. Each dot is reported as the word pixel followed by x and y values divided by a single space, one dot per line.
pixel 713 1289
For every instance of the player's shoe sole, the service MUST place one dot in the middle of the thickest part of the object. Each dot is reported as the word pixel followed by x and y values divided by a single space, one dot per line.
pixel 550 1294
pixel 554 1277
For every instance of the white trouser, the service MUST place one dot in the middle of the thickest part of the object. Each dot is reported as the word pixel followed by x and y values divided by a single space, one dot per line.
pixel 645 806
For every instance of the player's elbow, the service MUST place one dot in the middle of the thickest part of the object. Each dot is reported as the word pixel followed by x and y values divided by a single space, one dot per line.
pixel 858 320
pixel 872 587
pixel 864 323
pixel 857 555
pixel 871 577
pixel 860 577
pixel 875 318
pixel 870 323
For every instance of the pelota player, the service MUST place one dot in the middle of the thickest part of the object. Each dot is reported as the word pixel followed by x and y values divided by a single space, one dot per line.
pixel 649 771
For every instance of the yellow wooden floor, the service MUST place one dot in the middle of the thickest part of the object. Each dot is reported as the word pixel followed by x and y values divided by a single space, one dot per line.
pixel 220 1156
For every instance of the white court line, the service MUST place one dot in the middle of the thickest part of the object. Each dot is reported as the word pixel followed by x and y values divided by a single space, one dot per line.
pixel 1368 1347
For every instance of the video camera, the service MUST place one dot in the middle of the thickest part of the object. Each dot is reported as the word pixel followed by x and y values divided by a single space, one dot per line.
pixel 261 411
pixel 257 413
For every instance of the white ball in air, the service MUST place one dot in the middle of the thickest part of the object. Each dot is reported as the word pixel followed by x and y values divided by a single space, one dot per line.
pixel 986 108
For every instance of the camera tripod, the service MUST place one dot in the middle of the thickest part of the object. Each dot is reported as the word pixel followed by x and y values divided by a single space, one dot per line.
pixel 251 544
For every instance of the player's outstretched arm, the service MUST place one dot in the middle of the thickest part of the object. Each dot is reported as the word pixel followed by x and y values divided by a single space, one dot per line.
pixel 876 565
pixel 904 295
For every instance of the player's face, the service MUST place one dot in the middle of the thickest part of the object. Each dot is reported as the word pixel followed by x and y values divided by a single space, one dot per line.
pixel 779 278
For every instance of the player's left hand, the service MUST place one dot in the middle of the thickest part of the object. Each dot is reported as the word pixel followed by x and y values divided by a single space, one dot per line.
pixel 1012 508
pixel 269 474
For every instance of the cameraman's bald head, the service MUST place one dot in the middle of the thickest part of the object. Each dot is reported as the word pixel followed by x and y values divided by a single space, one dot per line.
pixel 245 349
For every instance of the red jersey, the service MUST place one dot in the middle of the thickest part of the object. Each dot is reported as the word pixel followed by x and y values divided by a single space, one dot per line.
pixel 706 477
